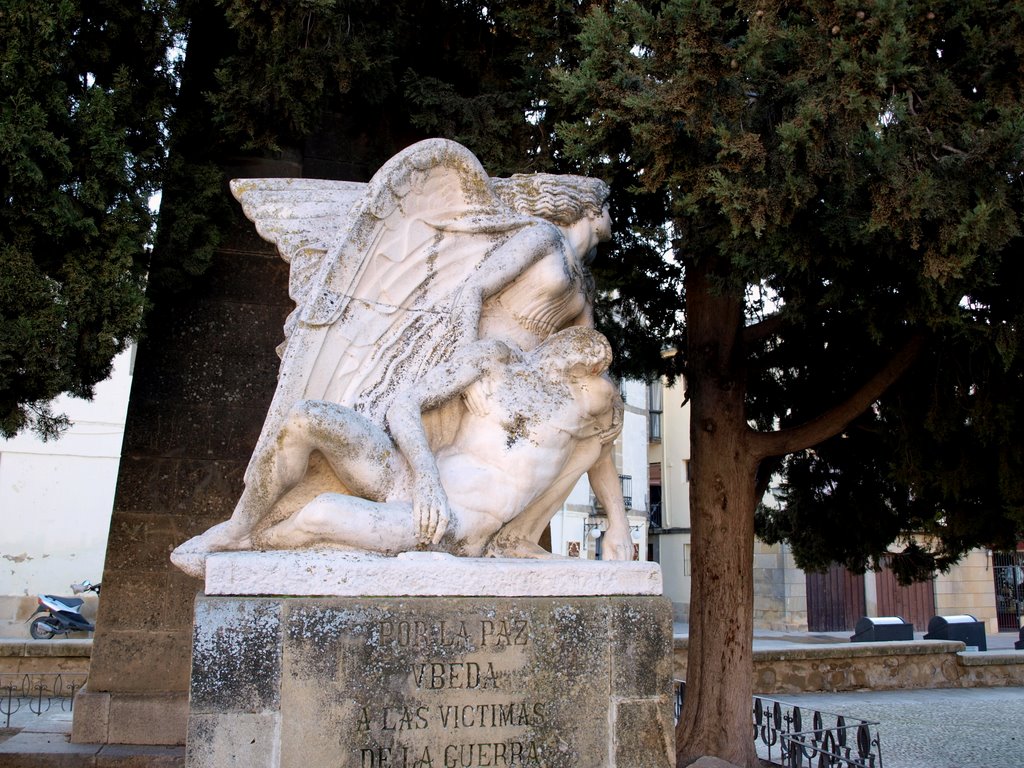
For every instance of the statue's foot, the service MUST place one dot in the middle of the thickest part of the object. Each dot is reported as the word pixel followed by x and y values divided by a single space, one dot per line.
pixel 520 548
pixel 223 537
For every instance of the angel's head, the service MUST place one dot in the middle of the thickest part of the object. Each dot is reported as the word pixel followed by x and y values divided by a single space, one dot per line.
pixel 561 199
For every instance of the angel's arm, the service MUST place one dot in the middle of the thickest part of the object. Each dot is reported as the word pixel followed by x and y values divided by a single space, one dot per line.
pixel 404 417
pixel 498 269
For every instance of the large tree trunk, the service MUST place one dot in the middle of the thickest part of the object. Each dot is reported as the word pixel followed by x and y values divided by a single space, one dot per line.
pixel 716 713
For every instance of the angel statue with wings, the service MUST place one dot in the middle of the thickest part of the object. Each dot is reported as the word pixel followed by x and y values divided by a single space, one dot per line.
pixel 437 286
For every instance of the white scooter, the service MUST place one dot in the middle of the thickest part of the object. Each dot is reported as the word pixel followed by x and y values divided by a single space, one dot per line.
pixel 63 614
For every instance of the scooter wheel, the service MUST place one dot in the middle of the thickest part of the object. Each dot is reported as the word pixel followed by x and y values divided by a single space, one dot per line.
pixel 40 630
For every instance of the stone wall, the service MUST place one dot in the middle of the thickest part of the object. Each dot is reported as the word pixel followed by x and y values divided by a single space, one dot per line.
pixel 875 666
pixel 44 656
pixel 780 589
pixel 417 681
pixel 968 588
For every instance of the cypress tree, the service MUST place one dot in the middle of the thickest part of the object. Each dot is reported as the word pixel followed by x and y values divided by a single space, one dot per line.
pixel 85 90
pixel 842 183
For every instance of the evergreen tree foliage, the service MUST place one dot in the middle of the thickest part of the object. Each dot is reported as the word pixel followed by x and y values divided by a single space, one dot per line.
pixel 364 78
pixel 95 121
pixel 844 194
pixel 403 71
pixel 85 89
pixel 859 164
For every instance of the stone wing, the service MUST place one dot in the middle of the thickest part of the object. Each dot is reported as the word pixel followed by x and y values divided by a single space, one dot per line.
pixel 304 218
pixel 376 313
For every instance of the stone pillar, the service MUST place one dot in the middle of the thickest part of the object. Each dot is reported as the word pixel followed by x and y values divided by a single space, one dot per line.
pixel 780 592
pixel 204 375
pixel 870 594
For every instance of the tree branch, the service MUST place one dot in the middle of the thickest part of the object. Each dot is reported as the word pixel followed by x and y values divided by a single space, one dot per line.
pixel 832 421
pixel 762 329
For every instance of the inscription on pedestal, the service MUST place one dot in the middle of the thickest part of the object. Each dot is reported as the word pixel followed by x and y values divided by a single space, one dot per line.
pixel 439 687
pixel 432 682
pixel 498 731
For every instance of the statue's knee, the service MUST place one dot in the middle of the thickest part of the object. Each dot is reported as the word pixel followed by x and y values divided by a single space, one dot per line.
pixel 314 517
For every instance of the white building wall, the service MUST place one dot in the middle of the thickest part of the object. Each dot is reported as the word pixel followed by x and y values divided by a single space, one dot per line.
pixel 674 454
pixel 675 441
pixel 634 460
pixel 56 496
pixel 634 441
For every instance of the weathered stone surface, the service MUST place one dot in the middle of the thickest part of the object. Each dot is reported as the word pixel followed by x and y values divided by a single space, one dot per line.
pixel 147 661
pixel 233 740
pixel 329 572
pixel 166 716
pixel 368 683
pixel 639 656
pixel 92 714
pixel 50 649
pixel 236 656
pixel 644 734
pixel 711 762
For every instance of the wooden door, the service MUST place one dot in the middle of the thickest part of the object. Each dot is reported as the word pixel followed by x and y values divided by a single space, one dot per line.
pixel 914 602
pixel 835 600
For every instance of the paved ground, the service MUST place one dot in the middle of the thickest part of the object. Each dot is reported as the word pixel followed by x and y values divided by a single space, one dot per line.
pixel 43 741
pixel 951 728
pixel 937 728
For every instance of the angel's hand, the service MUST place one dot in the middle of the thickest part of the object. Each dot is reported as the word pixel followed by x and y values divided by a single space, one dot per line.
pixel 430 510
pixel 476 398
pixel 617 544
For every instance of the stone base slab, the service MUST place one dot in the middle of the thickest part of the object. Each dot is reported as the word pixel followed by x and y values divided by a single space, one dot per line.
pixel 350 574
pixel 426 682
pixel 102 717
pixel 47 656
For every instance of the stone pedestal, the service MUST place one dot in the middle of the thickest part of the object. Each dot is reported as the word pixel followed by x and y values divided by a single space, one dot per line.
pixel 435 681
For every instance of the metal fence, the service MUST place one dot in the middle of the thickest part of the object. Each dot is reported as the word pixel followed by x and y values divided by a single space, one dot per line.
pixel 37 692
pixel 782 737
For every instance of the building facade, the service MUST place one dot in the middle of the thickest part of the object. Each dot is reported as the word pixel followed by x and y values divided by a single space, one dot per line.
pixel 787 598
pixel 56 498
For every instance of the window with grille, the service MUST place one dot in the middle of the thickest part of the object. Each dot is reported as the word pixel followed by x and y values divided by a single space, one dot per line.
pixel 654 411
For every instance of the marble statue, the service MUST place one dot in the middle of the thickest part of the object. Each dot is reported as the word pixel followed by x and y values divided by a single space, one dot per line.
pixel 533 425
pixel 428 346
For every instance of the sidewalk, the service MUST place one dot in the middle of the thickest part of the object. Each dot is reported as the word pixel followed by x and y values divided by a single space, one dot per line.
pixel 921 728
pixel 924 728
pixel 947 728
pixel 43 741
pixel 937 728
